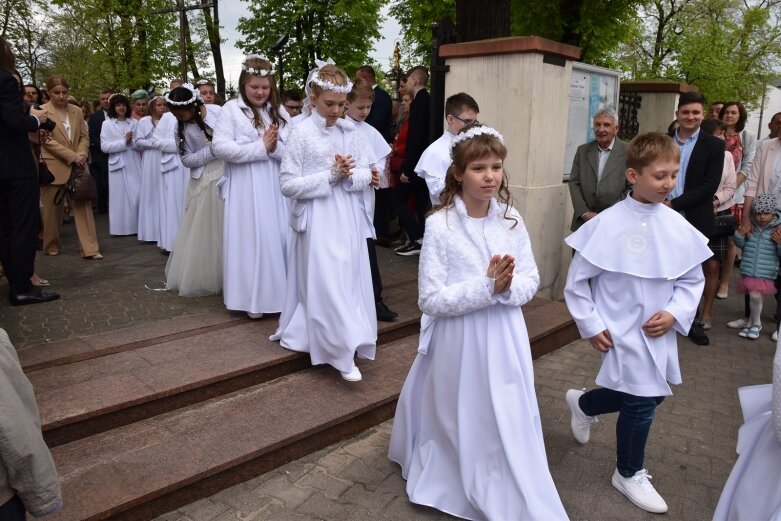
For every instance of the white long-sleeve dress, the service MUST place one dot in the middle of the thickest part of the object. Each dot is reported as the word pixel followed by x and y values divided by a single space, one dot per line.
pixel 174 177
pixel 376 152
pixel 329 309
pixel 149 205
pixel 124 176
pixel 467 431
pixel 433 164
pixel 195 265
pixel 753 490
pixel 255 232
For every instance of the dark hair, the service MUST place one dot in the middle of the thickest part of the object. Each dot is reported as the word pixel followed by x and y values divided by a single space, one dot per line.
pixel 709 126
pixel 7 62
pixel 118 99
pixel 478 147
pixel 273 100
pixel 38 99
pixel 646 148
pixel 742 117
pixel 691 97
pixel 419 72
pixel 458 103
pixel 291 94
pixel 672 127
pixel 367 69
pixel 181 94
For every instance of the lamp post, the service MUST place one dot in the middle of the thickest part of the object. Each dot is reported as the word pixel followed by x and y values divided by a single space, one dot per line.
pixel 277 48
pixel 396 83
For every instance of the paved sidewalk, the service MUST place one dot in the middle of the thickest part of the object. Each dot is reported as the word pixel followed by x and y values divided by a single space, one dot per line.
pixel 689 454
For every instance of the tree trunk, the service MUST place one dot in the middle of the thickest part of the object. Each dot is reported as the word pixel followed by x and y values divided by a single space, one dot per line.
pixel 476 20
pixel 189 45
pixel 213 30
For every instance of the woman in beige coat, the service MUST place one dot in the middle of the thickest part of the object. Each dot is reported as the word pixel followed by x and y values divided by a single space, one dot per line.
pixel 66 148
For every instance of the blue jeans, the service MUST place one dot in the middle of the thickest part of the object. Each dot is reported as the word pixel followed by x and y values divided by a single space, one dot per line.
pixel 13 510
pixel 635 414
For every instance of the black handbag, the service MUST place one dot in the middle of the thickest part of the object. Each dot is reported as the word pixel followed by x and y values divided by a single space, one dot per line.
pixel 725 223
pixel 45 176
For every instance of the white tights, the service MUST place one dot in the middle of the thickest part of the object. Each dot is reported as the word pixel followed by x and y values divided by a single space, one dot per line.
pixel 755 305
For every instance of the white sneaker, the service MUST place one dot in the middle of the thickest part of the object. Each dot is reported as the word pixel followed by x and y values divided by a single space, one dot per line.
pixel 254 315
pixel 774 336
pixel 638 490
pixel 579 421
pixel 738 324
pixel 354 375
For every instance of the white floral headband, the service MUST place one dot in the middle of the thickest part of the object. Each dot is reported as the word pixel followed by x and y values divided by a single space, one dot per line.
pixel 482 130
pixel 196 96
pixel 256 72
pixel 325 84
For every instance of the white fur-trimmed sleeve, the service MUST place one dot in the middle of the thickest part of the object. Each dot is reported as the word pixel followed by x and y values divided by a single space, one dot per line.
pixel 437 298
pixel 112 139
pixel 526 278
pixel 226 139
pixel 294 182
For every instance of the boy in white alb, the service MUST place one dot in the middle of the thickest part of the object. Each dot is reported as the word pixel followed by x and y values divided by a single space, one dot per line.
pixel 460 109
pixel 635 280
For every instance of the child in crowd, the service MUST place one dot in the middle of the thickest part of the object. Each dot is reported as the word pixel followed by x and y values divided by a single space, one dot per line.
pixel 124 167
pixel 654 255
pixel 467 431
pixel 206 90
pixel 359 103
pixel 759 267
pixel 460 109
pixel 195 265
pixel 329 310
pixel 149 207
pixel 250 138
pixel 172 181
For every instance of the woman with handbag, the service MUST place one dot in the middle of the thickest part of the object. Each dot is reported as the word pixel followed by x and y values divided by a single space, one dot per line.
pixel 65 151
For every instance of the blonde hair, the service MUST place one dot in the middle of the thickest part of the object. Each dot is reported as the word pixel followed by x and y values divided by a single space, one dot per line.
pixel 331 73
pixel 362 89
pixel 646 148
pixel 56 80
pixel 474 149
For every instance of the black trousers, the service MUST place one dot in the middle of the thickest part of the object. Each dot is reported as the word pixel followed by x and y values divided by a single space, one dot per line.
pixel 19 225
pixel 382 210
pixel 13 510
pixel 413 223
pixel 376 280
pixel 99 172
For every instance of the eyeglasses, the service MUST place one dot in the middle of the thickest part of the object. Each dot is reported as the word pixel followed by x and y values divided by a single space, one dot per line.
pixel 466 121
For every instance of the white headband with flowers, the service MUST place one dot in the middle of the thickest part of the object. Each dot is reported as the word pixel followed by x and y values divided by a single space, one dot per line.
pixel 196 96
pixel 482 130
pixel 256 72
pixel 314 77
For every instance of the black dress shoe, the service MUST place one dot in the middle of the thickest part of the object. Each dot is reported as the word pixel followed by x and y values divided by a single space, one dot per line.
pixel 384 314
pixel 34 296
pixel 697 334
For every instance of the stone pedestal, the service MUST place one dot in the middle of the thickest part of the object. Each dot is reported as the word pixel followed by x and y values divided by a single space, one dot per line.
pixel 522 87
pixel 659 102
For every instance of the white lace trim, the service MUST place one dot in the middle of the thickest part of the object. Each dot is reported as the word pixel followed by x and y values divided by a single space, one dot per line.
pixel 196 96
pixel 256 72
pixel 328 85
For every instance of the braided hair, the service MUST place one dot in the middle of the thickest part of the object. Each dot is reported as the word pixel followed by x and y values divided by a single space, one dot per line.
pixel 183 94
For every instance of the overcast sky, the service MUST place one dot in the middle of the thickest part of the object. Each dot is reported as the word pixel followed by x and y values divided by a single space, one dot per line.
pixel 232 10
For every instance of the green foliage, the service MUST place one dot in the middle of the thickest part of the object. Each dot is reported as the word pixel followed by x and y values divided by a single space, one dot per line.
pixel 340 29
pixel 729 49
pixel 416 19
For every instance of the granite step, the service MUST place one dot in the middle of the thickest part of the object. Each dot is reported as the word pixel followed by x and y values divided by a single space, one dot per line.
pixel 157 464
pixel 93 384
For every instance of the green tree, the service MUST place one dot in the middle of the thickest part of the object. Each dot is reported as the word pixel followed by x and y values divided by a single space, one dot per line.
pixel 729 49
pixel 338 29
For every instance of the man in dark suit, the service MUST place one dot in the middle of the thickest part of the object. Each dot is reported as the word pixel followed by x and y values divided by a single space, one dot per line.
pixel 410 183
pixel 598 176
pixel 19 191
pixel 702 163
pixel 99 165
pixel 380 116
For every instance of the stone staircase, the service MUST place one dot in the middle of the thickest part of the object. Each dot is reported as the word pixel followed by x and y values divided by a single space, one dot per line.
pixel 146 419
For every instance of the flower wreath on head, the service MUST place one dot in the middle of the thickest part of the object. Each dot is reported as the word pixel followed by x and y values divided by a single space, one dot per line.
pixel 256 72
pixel 481 130
pixel 196 96
pixel 314 77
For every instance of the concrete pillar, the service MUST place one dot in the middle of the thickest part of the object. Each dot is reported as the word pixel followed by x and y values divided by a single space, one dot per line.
pixel 522 87
pixel 659 103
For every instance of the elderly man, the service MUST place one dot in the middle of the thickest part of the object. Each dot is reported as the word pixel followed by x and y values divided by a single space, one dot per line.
pixel 598 176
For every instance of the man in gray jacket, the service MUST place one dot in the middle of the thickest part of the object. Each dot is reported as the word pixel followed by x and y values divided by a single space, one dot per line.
pixel 598 176
pixel 28 478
